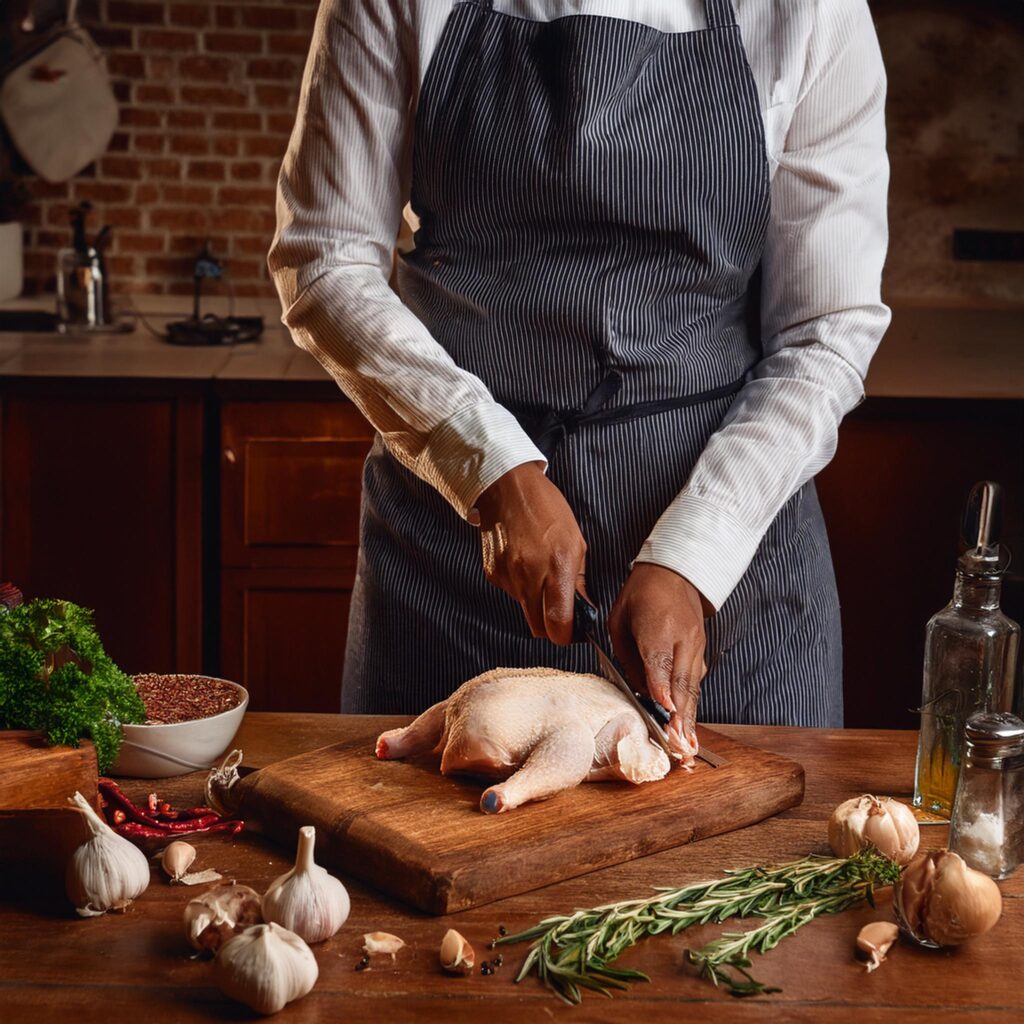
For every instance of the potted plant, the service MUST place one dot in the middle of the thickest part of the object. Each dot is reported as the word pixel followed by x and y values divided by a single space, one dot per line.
pixel 14 203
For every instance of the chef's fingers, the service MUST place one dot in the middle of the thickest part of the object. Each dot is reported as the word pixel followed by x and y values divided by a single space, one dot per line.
pixel 658 667
pixel 625 650
pixel 687 672
pixel 559 591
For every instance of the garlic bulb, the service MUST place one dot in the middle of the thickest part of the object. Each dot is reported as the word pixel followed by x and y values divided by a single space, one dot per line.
pixel 220 913
pixel 106 872
pixel 266 967
pixel 177 859
pixel 940 901
pixel 307 900
pixel 881 822
pixel 457 956
pixel 874 941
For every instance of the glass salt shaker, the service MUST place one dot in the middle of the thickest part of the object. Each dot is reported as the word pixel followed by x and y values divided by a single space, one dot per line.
pixel 987 827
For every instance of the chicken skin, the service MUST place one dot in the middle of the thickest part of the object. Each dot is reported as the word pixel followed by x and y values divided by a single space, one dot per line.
pixel 537 730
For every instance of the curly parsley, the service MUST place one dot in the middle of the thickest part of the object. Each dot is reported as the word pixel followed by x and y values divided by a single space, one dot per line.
pixel 56 678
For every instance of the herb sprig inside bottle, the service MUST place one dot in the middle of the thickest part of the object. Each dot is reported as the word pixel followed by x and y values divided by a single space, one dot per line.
pixel 575 952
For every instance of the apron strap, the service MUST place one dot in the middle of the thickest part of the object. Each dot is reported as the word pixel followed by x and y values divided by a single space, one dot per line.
pixel 548 428
pixel 720 13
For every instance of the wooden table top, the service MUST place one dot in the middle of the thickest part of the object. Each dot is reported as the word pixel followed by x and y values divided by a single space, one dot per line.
pixel 138 967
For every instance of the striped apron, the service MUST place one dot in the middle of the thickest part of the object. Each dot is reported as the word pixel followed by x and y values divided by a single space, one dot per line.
pixel 593 196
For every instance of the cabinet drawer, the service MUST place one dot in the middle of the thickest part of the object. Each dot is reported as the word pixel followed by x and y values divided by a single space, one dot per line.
pixel 283 636
pixel 291 476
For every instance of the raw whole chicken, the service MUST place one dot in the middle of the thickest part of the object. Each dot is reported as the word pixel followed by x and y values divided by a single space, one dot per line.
pixel 537 729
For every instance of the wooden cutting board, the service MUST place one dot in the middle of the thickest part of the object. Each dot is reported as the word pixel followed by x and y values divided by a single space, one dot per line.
pixel 38 830
pixel 406 829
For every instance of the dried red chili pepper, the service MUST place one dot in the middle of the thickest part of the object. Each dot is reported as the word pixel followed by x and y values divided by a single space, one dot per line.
pixel 131 820
pixel 136 830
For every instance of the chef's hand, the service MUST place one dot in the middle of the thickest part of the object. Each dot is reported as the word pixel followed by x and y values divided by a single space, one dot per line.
pixel 657 631
pixel 533 548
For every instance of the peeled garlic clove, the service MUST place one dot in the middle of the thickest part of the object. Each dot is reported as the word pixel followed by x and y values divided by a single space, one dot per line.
pixel 381 942
pixel 107 872
pixel 940 901
pixel 177 859
pixel 874 941
pixel 200 877
pixel 266 967
pixel 881 822
pixel 307 900
pixel 457 954
pixel 216 915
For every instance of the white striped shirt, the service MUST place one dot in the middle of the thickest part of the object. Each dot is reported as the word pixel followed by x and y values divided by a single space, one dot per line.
pixel 346 178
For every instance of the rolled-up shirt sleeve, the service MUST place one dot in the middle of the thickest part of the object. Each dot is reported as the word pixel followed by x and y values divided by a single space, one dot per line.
pixel 341 189
pixel 821 313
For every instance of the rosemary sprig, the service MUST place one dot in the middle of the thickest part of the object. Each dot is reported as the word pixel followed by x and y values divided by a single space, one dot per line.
pixel 574 952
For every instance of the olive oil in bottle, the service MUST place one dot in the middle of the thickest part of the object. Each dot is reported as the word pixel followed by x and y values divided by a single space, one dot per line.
pixel 970 654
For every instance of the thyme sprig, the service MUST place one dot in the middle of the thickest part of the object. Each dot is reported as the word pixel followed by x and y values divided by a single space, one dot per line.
pixel 574 952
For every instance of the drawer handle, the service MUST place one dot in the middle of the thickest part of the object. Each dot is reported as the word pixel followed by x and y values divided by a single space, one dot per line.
pixel 230 456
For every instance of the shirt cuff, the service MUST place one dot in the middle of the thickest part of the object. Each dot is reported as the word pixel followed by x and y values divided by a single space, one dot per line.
pixel 471 450
pixel 704 543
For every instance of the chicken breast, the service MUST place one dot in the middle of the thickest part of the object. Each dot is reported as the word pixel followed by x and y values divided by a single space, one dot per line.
pixel 537 730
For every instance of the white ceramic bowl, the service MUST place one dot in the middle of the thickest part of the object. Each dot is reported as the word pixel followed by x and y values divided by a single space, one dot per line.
pixel 159 751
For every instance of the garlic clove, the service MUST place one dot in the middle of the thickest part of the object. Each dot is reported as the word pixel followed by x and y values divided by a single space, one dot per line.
pixel 881 822
pixel 457 956
pixel 177 859
pixel 940 901
pixel 874 940
pixel 213 917
pixel 107 872
pixel 220 783
pixel 381 942
pixel 266 967
pixel 200 877
pixel 307 900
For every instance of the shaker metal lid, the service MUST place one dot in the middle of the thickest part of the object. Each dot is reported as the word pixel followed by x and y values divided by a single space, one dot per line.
pixel 995 733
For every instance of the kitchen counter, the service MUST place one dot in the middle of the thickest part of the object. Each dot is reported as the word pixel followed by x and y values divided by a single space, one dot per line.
pixel 137 966
pixel 927 353
pixel 140 354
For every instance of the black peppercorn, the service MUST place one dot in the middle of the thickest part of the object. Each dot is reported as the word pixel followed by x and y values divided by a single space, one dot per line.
pixel 502 930
pixel 497 961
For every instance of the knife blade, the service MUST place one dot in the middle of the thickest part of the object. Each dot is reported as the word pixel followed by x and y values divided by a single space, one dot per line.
pixel 654 715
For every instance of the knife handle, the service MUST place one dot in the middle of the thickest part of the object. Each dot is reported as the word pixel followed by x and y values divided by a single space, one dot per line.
pixel 584 619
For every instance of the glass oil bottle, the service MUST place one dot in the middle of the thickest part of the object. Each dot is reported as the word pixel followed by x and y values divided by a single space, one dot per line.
pixel 970 654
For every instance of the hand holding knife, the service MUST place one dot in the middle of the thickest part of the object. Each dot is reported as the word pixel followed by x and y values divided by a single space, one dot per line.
pixel 655 717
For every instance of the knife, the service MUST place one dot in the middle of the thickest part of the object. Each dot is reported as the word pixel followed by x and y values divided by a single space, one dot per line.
pixel 654 715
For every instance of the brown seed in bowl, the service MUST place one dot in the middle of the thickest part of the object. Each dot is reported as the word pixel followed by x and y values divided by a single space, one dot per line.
pixel 184 698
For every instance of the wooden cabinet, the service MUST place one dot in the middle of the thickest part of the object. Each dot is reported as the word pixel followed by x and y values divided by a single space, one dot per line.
pixel 290 488
pixel 102 505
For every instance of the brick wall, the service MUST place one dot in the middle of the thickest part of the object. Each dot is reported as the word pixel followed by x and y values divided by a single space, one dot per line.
pixel 208 92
